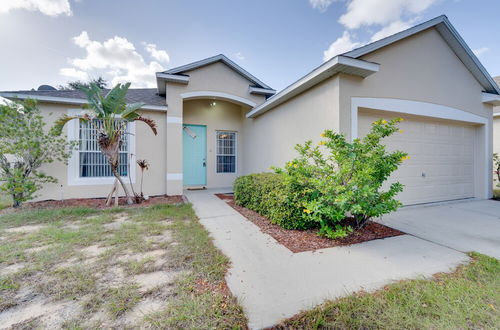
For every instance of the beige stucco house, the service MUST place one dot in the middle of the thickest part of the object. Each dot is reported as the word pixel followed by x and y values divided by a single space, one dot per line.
pixel 216 121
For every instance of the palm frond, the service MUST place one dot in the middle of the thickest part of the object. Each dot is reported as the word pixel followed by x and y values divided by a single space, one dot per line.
pixel 115 100
pixel 130 111
pixel 95 99
pixel 59 123
pixel 150 122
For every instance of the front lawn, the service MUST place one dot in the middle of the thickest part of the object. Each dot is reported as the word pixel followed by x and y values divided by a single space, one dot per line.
pixel 156 267
pixel 468 298
pixel 117 268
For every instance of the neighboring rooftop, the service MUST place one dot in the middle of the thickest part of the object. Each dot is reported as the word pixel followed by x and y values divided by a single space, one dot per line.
pixel 147 96
pixel 497 80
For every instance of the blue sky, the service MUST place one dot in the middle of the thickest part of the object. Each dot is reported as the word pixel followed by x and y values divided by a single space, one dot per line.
pixel 55 41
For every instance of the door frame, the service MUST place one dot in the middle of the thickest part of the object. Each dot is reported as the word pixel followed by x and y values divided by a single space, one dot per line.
pixel 204 156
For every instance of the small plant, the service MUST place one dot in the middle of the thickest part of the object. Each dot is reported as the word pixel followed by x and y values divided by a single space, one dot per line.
pixel 143 165
pixel 496 167
pixel 24 147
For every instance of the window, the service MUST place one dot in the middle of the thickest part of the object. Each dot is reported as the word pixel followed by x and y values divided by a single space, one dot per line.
pixel 92 162
pixel 226 152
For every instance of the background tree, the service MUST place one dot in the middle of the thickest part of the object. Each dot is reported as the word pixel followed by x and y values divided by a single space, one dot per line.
pixel 78 84
pixel 109 115
pixel 24 147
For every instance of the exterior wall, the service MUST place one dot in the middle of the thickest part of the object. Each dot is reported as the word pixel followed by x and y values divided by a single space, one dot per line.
pixel 216 77
pixel 271 137
pixel 419 68
pixel 148 146
pixel 223 116
pixel 423 68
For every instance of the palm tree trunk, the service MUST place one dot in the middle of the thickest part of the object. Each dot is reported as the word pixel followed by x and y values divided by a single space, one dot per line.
pixel 110 195
pixel 127 194
pixel 142 179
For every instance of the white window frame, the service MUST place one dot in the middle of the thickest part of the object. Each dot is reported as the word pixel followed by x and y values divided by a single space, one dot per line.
pixel 74 178
pixel 235 151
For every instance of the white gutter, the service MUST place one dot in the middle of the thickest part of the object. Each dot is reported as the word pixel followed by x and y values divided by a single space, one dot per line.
pixel 67 100
pixel 261 91
pixel 333 66
pixel 173 77
pixel 489 98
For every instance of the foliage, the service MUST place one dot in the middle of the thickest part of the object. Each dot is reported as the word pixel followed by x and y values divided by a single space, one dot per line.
pixel 336 186
pixel 496 167
pixel 114 113
pixel 24 147
pixel 272 196
pixel 78 84
pixel 343 180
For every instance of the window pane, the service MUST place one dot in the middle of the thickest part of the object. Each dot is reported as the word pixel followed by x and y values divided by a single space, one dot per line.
pixel 92 162
pixel 226 152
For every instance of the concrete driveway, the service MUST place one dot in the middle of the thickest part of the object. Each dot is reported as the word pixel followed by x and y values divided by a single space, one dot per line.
pixel 464 226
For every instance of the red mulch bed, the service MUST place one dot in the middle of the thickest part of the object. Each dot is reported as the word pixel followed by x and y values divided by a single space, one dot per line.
pixel 308 240
pixel 100 203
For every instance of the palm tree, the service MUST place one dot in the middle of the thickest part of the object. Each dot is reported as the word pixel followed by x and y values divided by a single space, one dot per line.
pixel 144 165
pixel 109 116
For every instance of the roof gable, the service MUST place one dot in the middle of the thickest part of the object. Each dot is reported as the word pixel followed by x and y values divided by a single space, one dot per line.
pixel 452 38
pixel 218 58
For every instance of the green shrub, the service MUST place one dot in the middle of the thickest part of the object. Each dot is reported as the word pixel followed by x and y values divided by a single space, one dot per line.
pixel 270 195
pixel 343 180
pixel 335 186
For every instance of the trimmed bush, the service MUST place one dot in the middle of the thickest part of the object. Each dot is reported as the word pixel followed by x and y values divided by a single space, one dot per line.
pixel 336 186
pixel 270 195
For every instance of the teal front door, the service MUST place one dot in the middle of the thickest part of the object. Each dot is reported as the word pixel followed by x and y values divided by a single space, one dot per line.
pixel 194 140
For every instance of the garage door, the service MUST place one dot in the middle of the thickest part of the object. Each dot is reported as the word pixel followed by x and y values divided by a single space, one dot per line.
pixel 441 166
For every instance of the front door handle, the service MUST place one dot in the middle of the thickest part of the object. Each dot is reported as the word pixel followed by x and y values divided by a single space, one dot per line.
pixel 204 163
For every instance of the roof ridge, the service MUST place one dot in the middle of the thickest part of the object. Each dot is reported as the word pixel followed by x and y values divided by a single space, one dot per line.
pixel 213 59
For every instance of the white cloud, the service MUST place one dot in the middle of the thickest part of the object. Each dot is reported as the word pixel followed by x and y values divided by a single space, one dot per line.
pixel 321 5
pixel 239 56
pixel 341 45
pixel 480 51
pixel 159 55
pixel 117 60
pixel 74 74
pixel 390 29
pixel 369 12
pixel 47 7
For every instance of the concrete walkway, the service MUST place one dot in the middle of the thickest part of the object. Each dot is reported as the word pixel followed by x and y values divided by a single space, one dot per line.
pixel 272 283
pixel 468 225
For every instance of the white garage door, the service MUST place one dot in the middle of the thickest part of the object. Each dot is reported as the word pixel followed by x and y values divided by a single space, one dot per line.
pixel 441 166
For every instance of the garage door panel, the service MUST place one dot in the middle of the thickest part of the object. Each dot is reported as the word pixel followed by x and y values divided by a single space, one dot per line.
pixel 441 166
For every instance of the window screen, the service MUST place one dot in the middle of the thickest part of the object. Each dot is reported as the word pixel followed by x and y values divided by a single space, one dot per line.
pixel 92 162
pixel 226 152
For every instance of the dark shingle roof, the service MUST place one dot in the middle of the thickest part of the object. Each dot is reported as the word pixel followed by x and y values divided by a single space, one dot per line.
pixel 147 96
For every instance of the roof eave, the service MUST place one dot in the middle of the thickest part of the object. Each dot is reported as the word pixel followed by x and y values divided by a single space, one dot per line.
pixel 66 100
pixel 162 78
pixel 492 99
pixel 338 64
pixel 261 91
pixel 452 38
pixel 214 59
